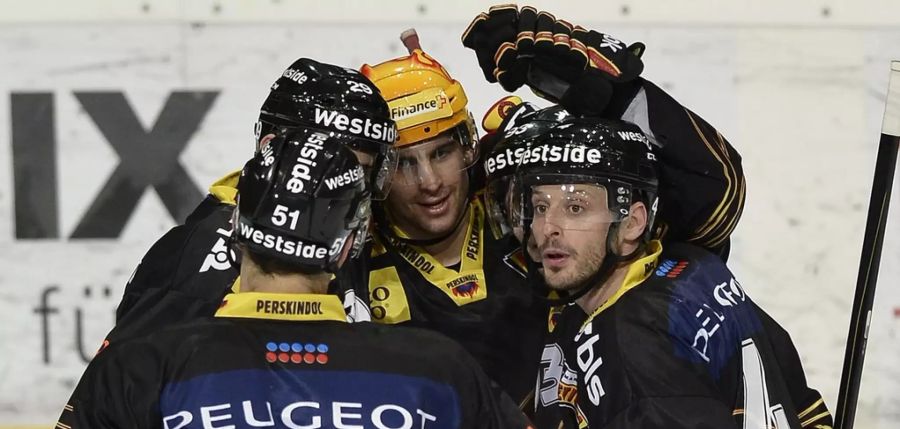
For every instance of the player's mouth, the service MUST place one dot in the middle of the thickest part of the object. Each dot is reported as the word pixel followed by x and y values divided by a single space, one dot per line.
pixel 436 207
pixel 554 258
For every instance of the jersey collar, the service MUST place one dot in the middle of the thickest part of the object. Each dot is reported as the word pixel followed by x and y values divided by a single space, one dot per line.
pixel 282 306
pixel 638 271
pixel 465 285
pixel 225 189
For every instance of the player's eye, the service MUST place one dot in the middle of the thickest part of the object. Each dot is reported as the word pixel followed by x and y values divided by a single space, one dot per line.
pixel 442 152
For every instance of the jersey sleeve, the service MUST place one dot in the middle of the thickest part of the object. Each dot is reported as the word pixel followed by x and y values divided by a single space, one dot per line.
pixel 811 410
pixel 749 357
pixel 183 276
pixel 156 269
pixel 119 389
pixel 701 183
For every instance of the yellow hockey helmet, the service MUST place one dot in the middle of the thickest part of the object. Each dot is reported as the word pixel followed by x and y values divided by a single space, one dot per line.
pixel 424 100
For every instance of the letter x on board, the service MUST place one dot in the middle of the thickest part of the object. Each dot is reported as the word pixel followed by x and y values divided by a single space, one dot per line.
pixel 147 159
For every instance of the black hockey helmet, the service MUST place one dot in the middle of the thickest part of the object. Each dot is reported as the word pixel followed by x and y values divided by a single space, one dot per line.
pixel 606 153
pixel 517 131
pixel 611 153
pixel 300 198
pixel 336 100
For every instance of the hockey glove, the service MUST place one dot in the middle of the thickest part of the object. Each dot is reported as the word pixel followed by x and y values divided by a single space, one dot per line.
pixel 563 63
pixel 492 36
pixel 573 66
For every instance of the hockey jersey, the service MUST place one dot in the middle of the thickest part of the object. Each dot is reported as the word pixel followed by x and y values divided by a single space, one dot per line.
pixel 286 360
pixel 679 345
pixel 484 304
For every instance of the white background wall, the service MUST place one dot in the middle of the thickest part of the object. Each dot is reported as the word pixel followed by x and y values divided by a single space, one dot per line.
pixel 797 87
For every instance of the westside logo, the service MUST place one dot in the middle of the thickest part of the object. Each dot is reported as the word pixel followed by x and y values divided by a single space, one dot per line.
pixel 280 244
pixel 635 137
pixel 505 159
pixel 348 177
pixel 295 75
pixel 300 173
pixel 562 154
pixel 383 131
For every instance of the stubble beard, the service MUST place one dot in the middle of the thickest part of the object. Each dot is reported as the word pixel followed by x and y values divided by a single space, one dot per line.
pixel 582 267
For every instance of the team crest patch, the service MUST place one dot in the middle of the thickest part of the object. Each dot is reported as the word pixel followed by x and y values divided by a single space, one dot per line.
pixel 467 290
pixel 670 268
pixel 464 287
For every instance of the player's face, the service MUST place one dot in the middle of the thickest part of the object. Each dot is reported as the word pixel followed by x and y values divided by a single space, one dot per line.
pixel 429 189
pixel 569 226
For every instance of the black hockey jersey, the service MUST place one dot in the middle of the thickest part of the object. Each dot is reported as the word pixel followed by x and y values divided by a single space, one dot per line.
pixel 680 345
pixel 484 305
pixel 286 360
pixel 487 306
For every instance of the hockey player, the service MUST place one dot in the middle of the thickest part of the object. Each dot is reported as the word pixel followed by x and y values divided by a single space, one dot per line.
pixel 701 185
pixel 516 132
pixel 188 271
pixel 280 352
pixel 433 262
pixel 672 339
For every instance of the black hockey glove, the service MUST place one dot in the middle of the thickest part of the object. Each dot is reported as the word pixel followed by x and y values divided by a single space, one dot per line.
pixel 492 36
pixel 566 64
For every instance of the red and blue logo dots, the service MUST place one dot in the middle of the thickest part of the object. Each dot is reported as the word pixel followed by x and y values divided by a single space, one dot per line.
pixel 308 353
pixel 671 269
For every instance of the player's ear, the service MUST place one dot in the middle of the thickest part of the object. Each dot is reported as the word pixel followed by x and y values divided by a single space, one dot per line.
pixel 633 226
pixel 264 141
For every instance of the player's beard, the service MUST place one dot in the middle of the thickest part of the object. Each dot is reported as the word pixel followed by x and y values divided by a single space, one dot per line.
pixel 581 266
